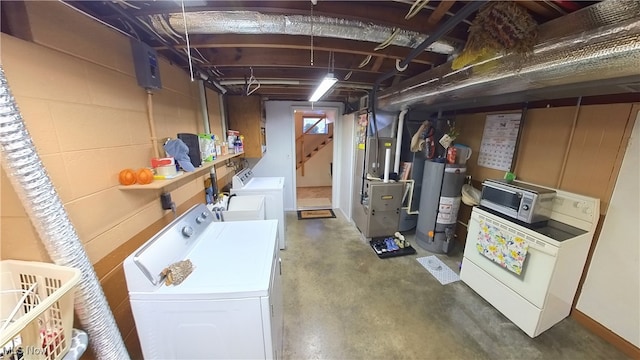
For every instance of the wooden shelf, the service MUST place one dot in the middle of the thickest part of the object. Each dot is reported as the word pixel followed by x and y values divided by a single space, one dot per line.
pixel 186 176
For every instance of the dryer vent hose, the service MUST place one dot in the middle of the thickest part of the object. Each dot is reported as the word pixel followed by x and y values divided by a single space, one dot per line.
pixel 43 205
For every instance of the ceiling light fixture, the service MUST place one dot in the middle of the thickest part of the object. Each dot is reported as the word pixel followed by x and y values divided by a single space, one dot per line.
pixel 328 81
pixel 326 84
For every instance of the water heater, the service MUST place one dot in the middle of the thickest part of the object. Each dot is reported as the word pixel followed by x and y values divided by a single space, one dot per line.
pixel 439 205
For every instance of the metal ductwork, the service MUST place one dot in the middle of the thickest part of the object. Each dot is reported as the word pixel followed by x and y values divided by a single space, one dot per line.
pixel 592 51
pixel 252 22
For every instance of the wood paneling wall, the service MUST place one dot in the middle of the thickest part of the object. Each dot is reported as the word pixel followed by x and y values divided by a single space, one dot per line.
pixel 592 164
pixel 245 116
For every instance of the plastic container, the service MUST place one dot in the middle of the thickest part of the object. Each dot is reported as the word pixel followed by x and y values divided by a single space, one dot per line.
pixel 36 309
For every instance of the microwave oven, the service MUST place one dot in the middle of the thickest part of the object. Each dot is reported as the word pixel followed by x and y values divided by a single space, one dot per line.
pixel 518 200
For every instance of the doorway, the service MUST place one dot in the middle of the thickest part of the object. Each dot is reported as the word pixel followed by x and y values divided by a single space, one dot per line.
pixel 314 160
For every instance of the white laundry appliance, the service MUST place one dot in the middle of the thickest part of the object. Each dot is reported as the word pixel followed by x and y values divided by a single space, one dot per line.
pixel 245 183
pixel 229 307
pixel 239 208
pixel 530 272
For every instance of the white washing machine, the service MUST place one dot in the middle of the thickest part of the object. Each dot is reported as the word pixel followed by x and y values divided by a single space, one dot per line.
pixel 239 208
pixel 245 183
pixel 229 307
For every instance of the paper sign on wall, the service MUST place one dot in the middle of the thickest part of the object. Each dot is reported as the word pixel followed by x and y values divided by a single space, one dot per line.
pixel 499 141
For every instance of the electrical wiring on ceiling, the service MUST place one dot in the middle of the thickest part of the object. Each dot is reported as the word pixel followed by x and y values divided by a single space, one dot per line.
pixel 131 31
pixel 216 72
pixel 163 28
pixel 165 19
pixel 151 29
pixel 415 8
pixel 124 3
pixel 98 20
pixel 365 62
pixel 387 42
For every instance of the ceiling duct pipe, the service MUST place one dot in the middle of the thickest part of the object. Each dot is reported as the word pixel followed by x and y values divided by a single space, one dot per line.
pixel 588 50
pixel 253 22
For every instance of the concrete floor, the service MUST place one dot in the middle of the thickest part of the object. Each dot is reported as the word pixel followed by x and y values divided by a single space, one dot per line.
pixel 342 302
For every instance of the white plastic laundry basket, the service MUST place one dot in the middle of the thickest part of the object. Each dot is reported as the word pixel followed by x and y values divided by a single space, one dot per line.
pixel 36 309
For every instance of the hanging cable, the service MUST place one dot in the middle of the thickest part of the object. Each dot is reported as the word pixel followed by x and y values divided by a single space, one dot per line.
pixel 150 28
pixel 364 62
pixel 415 8
pixel 312 34
pixel 162 26
pixel 127 4
pixel 332 55
pixel 186 35
pixel 168 23
pixel 388 41
pixel 132 32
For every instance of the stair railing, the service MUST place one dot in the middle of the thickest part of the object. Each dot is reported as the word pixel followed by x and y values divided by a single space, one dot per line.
pixel 301 138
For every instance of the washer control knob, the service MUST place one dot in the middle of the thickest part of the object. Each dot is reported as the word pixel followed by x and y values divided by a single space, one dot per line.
pixel 525 207
pixel 200 219
pixel 205 214
pixel 187 231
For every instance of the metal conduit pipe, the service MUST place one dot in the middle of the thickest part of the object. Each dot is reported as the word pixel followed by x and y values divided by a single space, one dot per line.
pixel 46 211
pixel 203 107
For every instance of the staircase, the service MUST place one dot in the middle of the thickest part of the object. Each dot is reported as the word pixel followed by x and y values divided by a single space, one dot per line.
pixel 308 144
pixel 312 148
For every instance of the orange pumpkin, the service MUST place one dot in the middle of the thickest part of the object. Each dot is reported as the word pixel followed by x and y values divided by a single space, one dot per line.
pixel 145 176
pixel 127 177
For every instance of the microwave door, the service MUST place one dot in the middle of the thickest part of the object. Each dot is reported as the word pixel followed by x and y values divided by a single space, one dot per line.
pixel 502 200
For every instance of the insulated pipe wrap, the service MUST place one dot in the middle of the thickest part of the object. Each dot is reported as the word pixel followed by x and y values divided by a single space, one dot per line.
pixel 604 44
pixel 252 22
pixel 46 211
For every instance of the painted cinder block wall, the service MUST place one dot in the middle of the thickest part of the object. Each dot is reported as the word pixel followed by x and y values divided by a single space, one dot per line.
pixel 73 80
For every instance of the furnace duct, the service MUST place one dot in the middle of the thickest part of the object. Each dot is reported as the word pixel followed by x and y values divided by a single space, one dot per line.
pixel 41 201
pixel 600 42
pixel 255 23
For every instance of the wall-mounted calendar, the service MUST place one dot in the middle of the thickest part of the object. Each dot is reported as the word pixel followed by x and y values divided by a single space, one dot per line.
pixel 499 141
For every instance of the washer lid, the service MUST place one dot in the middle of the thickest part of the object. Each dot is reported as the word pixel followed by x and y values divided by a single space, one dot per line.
pixel 245 203
pixel 232 260
pixel 266 183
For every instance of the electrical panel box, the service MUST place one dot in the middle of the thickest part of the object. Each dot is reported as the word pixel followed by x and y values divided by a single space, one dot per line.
pixel 145 60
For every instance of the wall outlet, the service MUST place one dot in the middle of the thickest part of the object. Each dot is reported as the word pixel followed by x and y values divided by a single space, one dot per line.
pixel 165 200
